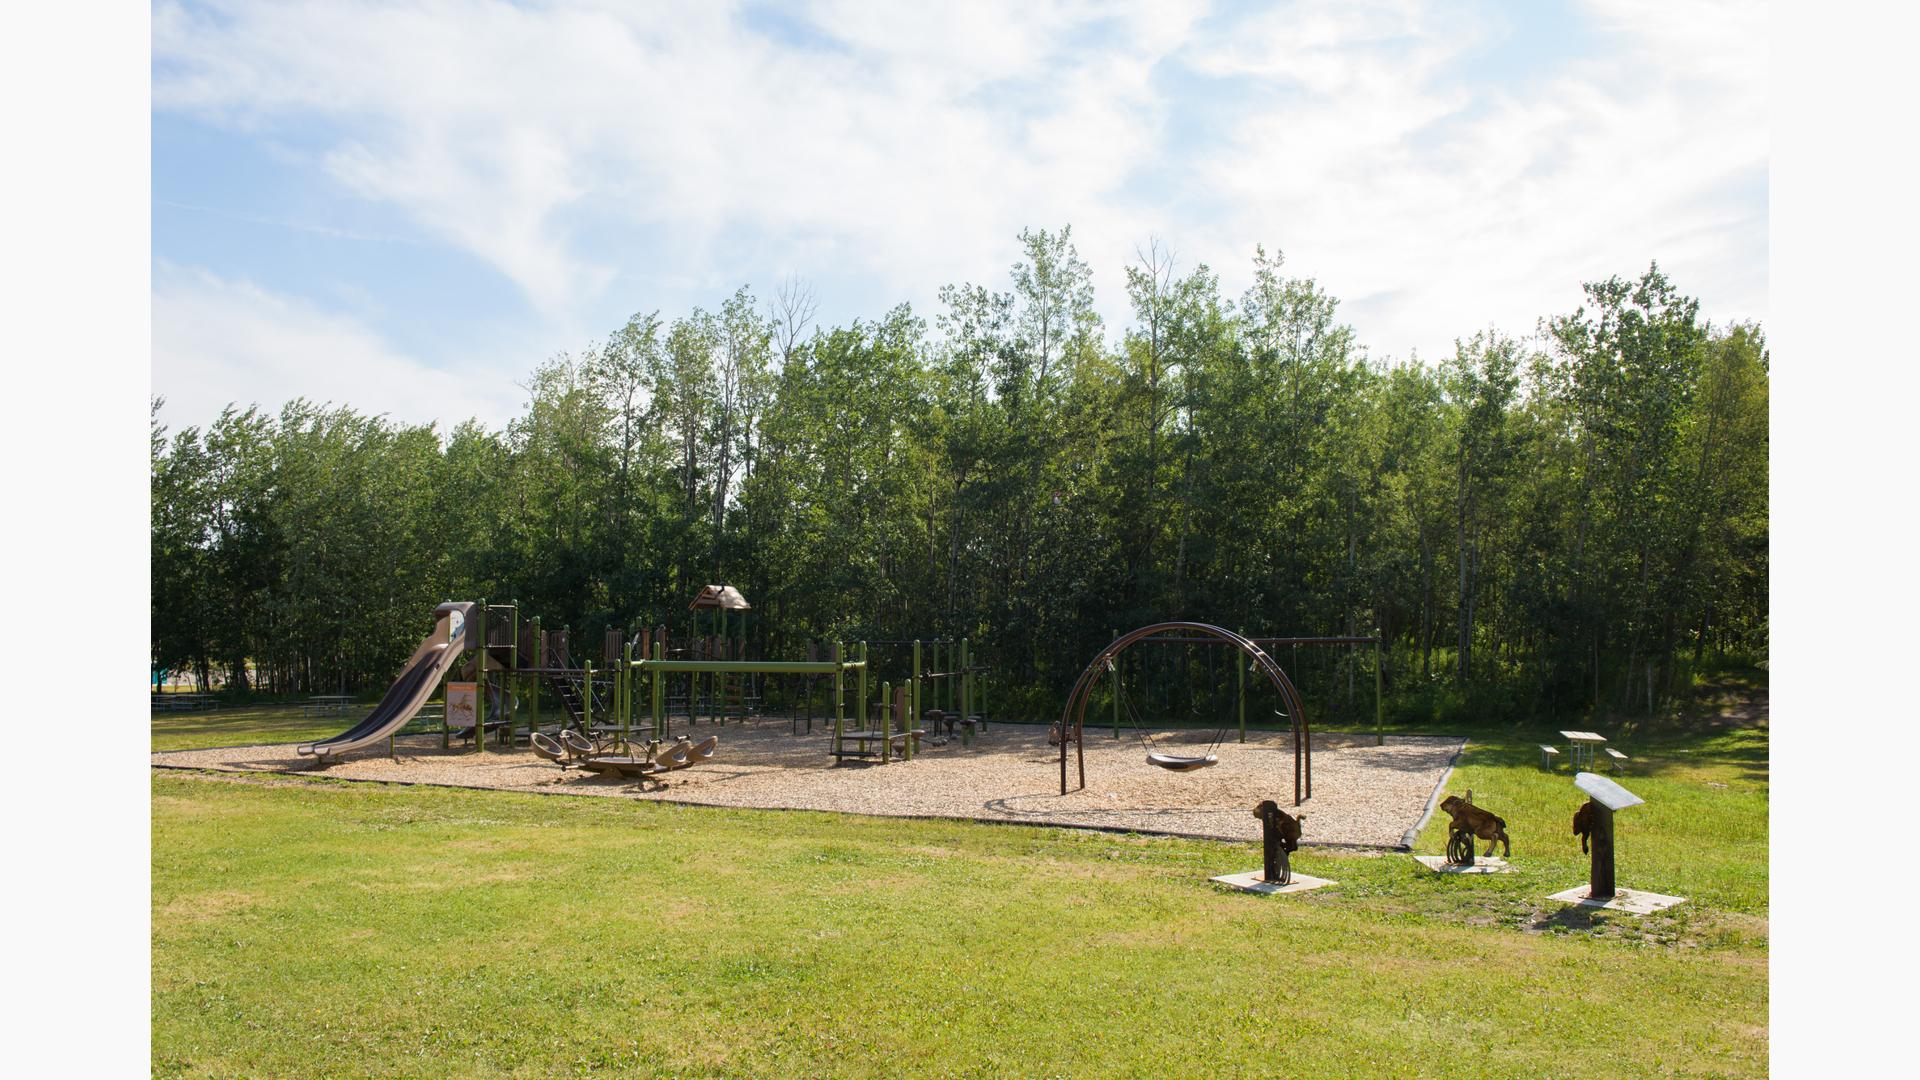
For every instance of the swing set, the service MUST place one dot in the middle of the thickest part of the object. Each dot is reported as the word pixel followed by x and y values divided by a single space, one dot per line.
pixel 1073 717
pixel 1155 755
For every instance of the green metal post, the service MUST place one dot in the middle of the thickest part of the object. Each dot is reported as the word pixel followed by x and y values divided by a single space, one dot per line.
pixel 918 709
pixel 966 679
pixel 839 699
pixel 860 707
pixel 480 684
pixel 513 665
pixel 533 699
pixel 586 697
pixel 659 717
pixel 626 697
pixel 886 722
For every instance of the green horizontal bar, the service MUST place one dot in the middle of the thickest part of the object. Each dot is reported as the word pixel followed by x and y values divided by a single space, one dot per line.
pixel 753 667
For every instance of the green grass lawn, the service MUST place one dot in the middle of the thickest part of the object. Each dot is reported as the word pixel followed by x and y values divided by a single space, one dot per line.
pixel 313 927
pixel 247 724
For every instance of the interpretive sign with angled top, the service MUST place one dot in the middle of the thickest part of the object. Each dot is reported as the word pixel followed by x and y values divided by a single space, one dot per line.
pixel 1606 792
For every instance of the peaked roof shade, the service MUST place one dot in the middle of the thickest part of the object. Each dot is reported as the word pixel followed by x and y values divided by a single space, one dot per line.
pixel 721 596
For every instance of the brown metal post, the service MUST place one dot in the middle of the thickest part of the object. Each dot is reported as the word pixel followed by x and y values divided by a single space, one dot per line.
pixel 1297 718
pixel 1063 751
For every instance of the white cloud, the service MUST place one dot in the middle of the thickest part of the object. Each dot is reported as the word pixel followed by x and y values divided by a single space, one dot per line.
pixel 907 144
pixel 217 342
pixel 489 123
pixel 1436 209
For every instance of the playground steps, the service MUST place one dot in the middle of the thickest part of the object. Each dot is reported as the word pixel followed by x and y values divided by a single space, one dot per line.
pixel 568 688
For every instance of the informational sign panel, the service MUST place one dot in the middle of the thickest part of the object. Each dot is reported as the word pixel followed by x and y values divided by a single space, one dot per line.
pixel 1606 792
pixel 460 702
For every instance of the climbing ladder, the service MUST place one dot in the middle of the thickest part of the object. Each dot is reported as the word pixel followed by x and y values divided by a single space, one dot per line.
pixel 570 688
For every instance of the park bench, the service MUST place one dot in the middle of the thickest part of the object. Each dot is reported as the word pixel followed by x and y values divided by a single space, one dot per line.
pixel 1618 758
pixel 1548 754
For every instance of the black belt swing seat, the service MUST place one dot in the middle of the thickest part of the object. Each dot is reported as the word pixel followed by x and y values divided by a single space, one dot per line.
pixel 1156 757
pixel 1179 762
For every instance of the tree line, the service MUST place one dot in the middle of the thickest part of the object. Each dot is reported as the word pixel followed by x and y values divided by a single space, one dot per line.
pixel 1571 519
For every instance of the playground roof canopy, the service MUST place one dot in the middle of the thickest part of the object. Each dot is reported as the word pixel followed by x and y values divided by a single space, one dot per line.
pixel 725 597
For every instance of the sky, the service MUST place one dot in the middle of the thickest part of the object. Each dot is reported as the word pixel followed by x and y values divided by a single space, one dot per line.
pixel 405 207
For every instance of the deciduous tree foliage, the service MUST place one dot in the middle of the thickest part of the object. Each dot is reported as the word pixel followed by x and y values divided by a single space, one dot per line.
pixel 1572 520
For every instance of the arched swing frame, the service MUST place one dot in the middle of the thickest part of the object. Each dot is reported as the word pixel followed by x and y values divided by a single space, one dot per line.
pixel 1073 717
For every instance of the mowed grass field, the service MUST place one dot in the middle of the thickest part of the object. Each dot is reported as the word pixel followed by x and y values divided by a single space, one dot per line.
pixel 308 927
pixel 247 724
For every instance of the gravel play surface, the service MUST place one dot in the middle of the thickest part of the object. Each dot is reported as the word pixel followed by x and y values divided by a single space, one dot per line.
pixel 1362 793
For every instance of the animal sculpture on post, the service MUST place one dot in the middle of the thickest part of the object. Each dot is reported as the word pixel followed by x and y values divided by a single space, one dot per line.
pixel 1583 824
pixel 1279 836
pixel 1474 821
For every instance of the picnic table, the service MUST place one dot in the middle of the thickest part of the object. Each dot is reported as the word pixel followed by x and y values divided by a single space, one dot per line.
pixel 327 703
pixel 169 702
pixel 1583 743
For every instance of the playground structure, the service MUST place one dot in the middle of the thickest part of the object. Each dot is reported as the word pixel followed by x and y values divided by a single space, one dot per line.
pixel 418 680
pixel 1279 839
pixel 1292 668
pixel 1071 728
pixel 496 667
pixel 944 685
pixel 1468 823
pixel 615 722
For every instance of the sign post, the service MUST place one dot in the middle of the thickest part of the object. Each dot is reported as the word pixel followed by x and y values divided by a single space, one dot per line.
pixel 1593 823
pixel 460 704
pixel 1605 797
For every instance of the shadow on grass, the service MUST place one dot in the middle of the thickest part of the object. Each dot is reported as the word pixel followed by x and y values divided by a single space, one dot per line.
pixel 1570 918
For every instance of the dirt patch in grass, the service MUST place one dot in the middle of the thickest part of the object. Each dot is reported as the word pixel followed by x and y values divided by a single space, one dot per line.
pixel 192 907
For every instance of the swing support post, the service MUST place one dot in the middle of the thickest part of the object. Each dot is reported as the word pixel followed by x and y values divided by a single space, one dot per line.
pixel 1240 693
pixel 1379 692
pixel 1072 724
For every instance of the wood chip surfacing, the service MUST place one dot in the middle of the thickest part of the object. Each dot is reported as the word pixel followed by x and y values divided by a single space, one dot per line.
pixel 1363 794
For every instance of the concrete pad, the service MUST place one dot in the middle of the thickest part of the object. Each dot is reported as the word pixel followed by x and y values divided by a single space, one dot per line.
pixel 1631 901
pixel 1482 864
pixel 1251 882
